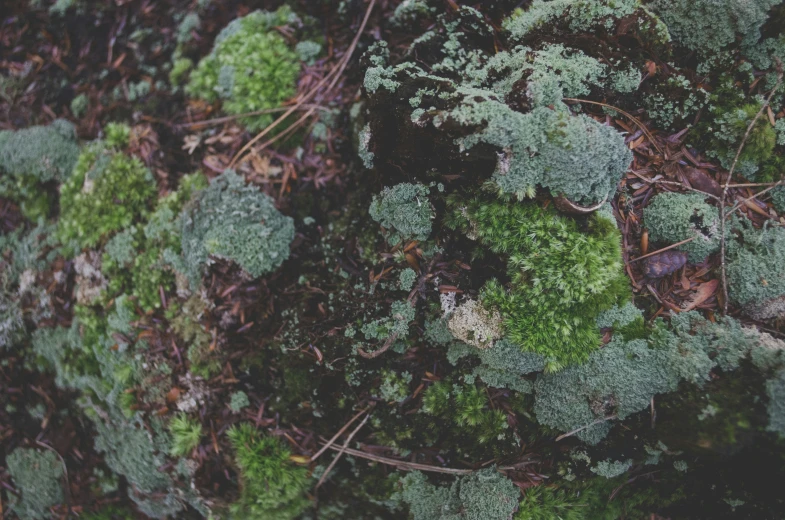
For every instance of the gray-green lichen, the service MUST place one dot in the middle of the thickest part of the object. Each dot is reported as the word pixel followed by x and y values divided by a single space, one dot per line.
pixel 404 210
pixel 237 222
pixel 674 217
pixel 37 475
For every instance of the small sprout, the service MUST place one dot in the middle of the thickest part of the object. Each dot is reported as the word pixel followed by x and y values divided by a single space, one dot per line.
pixel 186 434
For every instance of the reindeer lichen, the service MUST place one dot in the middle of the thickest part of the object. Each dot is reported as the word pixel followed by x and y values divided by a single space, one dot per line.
pixel 673 217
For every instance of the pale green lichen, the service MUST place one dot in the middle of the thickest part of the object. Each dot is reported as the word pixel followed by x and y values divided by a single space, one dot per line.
pixel 673 217
pixel 611 468
pixel 404 210
pixel 483 495
pixel 33 156
pixel 37 475
pixel 237 222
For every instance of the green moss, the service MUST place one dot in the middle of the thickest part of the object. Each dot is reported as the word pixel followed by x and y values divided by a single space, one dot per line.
pixel 233 221
pixel 251 67
pixel 560 277
pixel 404 210
pixel 483 495
pixel 550 503
pixel 186 434
pixel 673 217
pixel 272 486
pixel 180 69
pixel 33 156
pixel 108 191
pixel 37 476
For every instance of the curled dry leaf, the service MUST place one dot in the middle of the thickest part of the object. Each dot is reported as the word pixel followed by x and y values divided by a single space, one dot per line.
pixel 703 293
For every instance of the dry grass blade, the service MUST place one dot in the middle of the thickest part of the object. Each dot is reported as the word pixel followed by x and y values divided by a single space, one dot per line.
pixel 341 451
pixel 340 432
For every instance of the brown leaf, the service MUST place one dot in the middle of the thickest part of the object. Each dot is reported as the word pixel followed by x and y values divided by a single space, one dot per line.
pixel 699 180
pixel 703 293
pixel 664 263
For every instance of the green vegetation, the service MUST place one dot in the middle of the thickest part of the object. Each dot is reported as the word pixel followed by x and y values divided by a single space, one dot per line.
pixel 560 276
pixel 107 192
pixel 404 210
pixel 272 485
pixel 483 495
pixel 250 68
pixel 233 221
pixel 33 157
pixel 38 476
pixel 186 434
pixel 756 271
pixel 674 217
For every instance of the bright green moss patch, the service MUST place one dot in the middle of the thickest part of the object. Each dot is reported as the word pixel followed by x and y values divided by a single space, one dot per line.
pixel 673 217
pixel 38 476
pixel 237 222
pixel 33 156
pixel 561 277
pixel 272 486
pixel 251 67
pixel 108 191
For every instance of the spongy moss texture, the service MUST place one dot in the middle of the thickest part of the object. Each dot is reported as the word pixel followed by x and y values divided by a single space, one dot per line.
pixel 673 217
pixel 37 475
pixel 236 222
pixel 483 495
pixel 272 486
pixel 251 67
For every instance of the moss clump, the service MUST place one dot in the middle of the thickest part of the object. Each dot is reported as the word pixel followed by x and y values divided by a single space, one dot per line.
pixel 108 191
pixel 32 157
pixel 673 217
pixel 726 132
pixel 621 378
pixel 483 495
pixel 501 366
pixel 272 486
pixel 405 210
pixel 756 271
pixel 236 222
pixel 251 67
pixel 561 277
pixel 186 434
pixel 711 26
pixel 37 475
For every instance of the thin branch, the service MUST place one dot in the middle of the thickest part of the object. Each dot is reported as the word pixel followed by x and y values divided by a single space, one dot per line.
pixel 340 432
pixel 382 350
pixel 342 451
pixel 402 464
pixel 738 204
pixel 632 118
pixel 677 244
pixel 577 430
pixel 723 198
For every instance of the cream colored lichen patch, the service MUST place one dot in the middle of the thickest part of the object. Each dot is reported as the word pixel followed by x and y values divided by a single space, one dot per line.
pixel 475 325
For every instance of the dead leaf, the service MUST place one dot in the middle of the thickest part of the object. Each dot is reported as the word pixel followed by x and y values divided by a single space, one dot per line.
pixel 703 293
